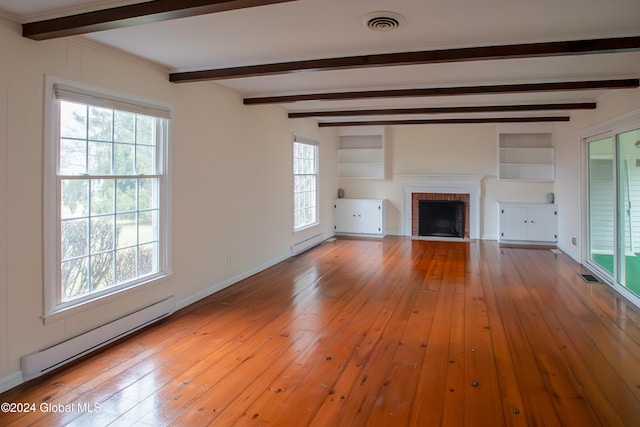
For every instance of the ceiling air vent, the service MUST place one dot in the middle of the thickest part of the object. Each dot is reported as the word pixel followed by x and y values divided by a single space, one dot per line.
pixel 382 21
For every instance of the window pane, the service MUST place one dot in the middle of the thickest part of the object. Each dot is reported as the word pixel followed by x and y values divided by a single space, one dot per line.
pixel 124 127
pixel 101 234
pixel 145 160
pixel 100 124
pixel 74 198
pixel 75 238
pixel 147 229
pixel 147 198
pixel 148 259
pixel 102 271
pixel 601 203
pixel 628 213
pixel 102 196
pixel 126 260
pixel 126 195
pixel 296 201
pixel 124 159
pixel 73 157
pixel 75 278
pixel 100 158
pixel 145 130
pixel 73 120
pixel 126 230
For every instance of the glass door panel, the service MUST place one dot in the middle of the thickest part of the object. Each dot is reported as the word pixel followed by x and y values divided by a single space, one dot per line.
pixel 602 204
pixel 628 166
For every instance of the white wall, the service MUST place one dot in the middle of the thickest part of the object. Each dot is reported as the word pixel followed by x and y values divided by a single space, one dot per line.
pixel 570 168
pixel 229 162
pixel 466 149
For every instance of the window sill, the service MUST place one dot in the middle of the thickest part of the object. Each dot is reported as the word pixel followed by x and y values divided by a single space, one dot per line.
pixel 306 227
pixel 66 312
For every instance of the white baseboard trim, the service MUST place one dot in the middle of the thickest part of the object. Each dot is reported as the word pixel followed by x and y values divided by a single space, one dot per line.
pixel 484 237
pixel 359 235
pixel 567 252
pixel 11 381
pixel 395 233
pixel 226 283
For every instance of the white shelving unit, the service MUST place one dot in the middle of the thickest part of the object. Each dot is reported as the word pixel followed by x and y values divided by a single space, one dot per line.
pixel 526 156
pixel 361 155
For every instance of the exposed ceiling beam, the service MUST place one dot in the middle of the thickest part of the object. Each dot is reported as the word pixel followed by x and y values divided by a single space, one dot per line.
pixel 446 110
pixel 483 53
pixel 447 121
pixel 449 91
pixel 134 14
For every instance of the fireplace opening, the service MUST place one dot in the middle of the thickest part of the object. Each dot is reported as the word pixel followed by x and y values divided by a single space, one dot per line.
pixel 441 218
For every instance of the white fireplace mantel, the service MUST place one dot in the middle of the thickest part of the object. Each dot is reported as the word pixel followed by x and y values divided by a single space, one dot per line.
pixel 443 183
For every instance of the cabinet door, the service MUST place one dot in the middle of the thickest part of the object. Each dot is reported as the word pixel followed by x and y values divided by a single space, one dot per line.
pixel 345 219
pixel 543 223
pixel 514 223
pixel 370 216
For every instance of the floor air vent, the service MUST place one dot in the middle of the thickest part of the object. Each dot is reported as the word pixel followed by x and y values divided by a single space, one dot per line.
pixel 589 278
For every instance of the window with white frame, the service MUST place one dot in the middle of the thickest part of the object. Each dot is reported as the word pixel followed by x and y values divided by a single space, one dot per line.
pixel 305 182
pixel 108 161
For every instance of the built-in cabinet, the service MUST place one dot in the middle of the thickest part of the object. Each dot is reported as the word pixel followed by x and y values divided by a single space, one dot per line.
pixel 526 156
pixel 359 216
pixel 529 223
pixel 361 153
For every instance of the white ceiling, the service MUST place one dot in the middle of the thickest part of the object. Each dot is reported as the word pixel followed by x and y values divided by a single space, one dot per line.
pixel 313 29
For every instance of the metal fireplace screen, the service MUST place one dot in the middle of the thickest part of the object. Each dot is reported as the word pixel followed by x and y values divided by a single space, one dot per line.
pixel 444 218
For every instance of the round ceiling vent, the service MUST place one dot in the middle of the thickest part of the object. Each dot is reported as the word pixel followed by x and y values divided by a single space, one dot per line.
pixel 382 21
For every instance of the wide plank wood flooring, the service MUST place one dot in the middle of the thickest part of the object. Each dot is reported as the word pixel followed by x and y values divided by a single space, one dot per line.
pixel 391 332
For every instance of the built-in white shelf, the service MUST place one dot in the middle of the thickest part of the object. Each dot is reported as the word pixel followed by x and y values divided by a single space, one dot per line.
pixel 361 155
pixel 526 156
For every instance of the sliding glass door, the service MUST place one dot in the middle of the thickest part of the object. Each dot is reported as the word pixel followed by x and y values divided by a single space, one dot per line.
pixel 614 208
pixel 628 177
pixel 602 205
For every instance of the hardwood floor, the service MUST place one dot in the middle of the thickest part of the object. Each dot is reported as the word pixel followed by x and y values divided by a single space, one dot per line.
pixel 388 332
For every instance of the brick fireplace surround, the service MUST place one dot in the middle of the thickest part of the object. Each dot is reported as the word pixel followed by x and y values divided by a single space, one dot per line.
pixel 466 188
pixel 416 197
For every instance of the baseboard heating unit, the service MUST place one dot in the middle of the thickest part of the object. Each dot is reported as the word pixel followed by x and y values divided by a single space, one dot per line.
pixel 305 245
pixel 35 364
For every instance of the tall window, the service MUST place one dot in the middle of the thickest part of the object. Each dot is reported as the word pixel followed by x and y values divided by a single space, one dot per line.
pixel 110 169
pixel 305 182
